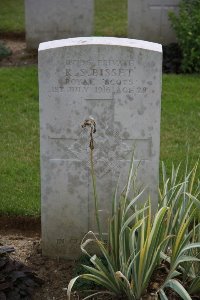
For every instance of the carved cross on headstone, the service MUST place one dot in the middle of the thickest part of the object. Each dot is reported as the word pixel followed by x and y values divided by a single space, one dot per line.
pixel 110 149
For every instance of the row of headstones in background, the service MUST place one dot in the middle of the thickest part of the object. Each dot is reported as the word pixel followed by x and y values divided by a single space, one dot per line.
pixel 149 20
pixel 49 20
pixel 118 82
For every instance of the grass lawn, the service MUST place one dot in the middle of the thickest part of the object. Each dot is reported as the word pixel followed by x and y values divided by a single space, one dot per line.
pixel 110 17
pixel 12 16
pixel 19 123
pixel 19 147
pixel 180 122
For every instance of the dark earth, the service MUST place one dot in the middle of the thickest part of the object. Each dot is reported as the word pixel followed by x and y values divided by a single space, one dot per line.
pixel 23 233
pixel 20 55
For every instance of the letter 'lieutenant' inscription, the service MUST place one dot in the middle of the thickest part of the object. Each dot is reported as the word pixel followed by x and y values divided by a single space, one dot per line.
pixel 118 83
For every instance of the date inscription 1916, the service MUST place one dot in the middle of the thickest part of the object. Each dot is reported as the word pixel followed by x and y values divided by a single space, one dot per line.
pixel 101 76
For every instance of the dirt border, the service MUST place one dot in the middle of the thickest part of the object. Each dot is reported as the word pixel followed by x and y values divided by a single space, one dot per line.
pixel 22 223
pixel 13 35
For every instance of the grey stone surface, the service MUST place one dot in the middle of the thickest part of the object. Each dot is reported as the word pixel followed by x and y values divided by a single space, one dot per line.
pixel 48 20
pixel 118 83
pixel 148 20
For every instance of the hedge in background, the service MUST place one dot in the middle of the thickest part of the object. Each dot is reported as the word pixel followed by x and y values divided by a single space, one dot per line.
pixel 187 27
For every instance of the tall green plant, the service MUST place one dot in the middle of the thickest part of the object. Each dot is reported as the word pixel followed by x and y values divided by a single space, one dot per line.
pixel 133 249
pixel 181 193
pixel 138 241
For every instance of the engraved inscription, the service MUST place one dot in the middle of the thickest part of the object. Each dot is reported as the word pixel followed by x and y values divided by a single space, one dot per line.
pixel 101 76
pixel 60 242
pixel 100 62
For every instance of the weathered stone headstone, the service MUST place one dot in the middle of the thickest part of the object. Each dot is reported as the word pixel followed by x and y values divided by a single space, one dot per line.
pixel 48 20
pixel 118 83
pixel 149 20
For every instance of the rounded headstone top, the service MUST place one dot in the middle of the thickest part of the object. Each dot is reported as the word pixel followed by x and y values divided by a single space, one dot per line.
pixel 109 41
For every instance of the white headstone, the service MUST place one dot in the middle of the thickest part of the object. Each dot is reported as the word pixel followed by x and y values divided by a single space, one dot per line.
pixel 149 20
pixel 117 81
pixel 48 20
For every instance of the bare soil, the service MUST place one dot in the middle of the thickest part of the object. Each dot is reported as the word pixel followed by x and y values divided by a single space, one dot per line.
pixel 20 55
pixel 23 233
pixel 25 238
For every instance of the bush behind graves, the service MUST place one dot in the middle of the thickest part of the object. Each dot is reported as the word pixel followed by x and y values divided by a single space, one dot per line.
pixel 140 245
pixel 187 27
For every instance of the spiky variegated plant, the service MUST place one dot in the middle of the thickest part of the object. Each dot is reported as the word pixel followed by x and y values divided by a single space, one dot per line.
pixel 138 241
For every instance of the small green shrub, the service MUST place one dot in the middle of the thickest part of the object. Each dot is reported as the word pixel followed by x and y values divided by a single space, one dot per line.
pixel 4 51
pixel 187 27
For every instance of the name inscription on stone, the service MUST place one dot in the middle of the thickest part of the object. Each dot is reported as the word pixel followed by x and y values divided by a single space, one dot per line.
pixel 101 76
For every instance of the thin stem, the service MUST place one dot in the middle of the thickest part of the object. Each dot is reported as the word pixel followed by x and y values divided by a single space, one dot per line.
pixel 92 125
pixel 96 202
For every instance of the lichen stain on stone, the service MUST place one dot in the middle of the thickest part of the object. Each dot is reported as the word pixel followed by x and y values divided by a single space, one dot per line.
pixel 68 130
pixel 120 102
pixel 52 129
pixel 130 98
pixel 62 163
pixel 57 100
pixel 126 135
pixel 48 190
pixel 141 110
pixel 142 133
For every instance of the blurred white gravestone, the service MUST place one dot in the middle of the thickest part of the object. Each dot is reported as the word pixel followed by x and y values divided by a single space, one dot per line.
pixel 48 20
pixel 117 81
pixel 149 20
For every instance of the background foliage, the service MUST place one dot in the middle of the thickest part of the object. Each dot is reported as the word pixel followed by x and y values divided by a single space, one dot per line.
pixel 187 27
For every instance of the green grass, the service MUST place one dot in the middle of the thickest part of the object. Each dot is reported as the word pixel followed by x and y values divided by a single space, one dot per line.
pixel 12 16
pixel 19 147
pixel 180 122
pixel 110 17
